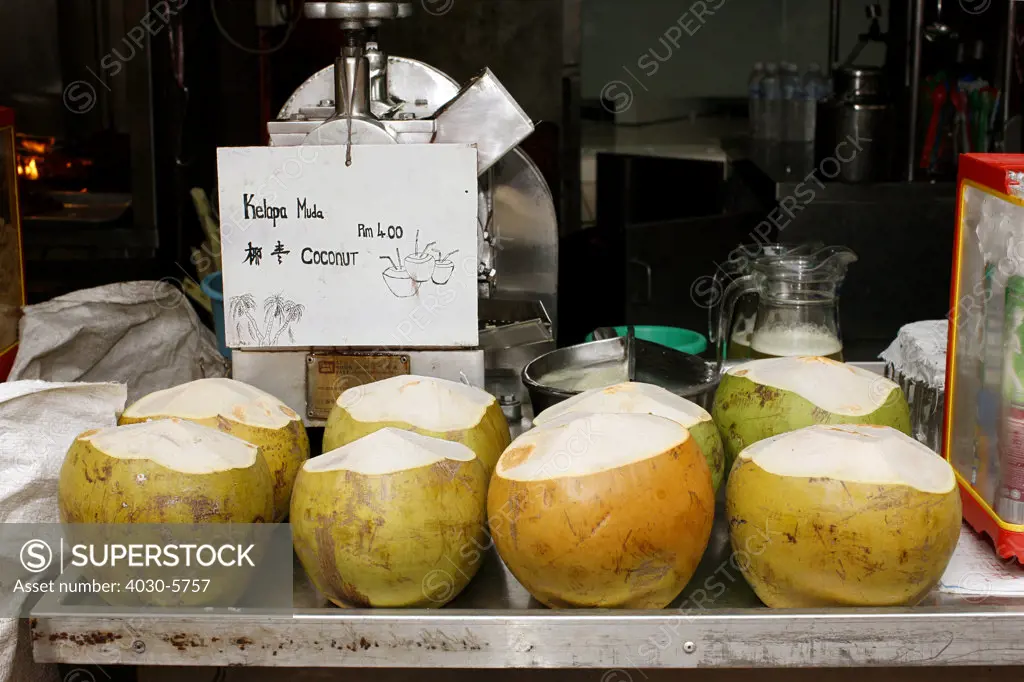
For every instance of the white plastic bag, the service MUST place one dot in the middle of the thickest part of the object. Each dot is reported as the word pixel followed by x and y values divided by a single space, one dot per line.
pixel 38 423
pixel 143 334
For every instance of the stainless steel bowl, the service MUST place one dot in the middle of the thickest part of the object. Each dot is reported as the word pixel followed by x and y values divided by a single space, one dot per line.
pixel 685 375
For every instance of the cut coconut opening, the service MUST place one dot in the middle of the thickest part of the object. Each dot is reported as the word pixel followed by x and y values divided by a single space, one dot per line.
pixel 833 386
pixel 876 455
pixel 175 444
pixel 209 398
pixel 424 402
pixel 387 451
pixel 579 444
pixel 631 397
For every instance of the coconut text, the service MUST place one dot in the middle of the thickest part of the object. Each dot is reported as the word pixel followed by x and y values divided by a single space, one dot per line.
pixel 341 259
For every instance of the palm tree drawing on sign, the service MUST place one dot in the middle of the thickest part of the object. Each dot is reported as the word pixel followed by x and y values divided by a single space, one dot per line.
pixel 242 307
pixel 279 314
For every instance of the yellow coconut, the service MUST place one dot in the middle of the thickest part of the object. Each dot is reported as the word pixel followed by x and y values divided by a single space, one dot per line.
pixel 845 515
pixel 602 510
pixel 393 519
pixel 427 405
pixel 168 471
pixel 243 411
pixel 641 398
pixel 764 398
pixel 171 471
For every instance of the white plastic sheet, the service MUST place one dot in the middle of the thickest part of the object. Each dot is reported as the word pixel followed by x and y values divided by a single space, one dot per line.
pixel 38 422
pixel 143 334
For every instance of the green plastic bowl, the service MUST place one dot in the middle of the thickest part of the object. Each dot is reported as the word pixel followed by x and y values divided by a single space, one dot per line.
pixel 675 338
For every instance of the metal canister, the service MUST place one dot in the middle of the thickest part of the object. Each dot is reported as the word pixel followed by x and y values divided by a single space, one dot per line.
pixel 857 113
pixel 916 360
pixel 927 406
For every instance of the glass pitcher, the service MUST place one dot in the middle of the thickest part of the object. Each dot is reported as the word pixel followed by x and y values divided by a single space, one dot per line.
pixel 744 317
pixel 797 304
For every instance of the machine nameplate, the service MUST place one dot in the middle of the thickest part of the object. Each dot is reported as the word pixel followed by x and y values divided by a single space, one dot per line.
pixel 379 253
pixel 328 375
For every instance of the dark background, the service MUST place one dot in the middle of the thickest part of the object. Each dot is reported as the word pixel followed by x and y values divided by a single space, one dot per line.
pixel 196 85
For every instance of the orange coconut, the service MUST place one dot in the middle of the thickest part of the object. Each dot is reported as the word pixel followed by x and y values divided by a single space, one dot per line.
pixel 602 510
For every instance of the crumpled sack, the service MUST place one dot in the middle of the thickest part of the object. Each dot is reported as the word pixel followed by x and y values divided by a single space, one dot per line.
pixel 144 334
pixel 38 423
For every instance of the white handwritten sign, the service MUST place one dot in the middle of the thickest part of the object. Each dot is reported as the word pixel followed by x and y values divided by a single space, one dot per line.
pixel 379 253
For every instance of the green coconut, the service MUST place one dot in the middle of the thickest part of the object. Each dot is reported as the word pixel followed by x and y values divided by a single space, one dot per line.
pixel 633 397
pixel 243 411
pixel 168 471
pixel 764 398
pixel 848 515
pixel 394 519
pixel 432 407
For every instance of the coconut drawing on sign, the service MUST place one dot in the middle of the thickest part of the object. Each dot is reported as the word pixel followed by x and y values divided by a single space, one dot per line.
pixel 444 266
pixel 399 281
pixel 279 314
pixel 420 264
pixel 404 277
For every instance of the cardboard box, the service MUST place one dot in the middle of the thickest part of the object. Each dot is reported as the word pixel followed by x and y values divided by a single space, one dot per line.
pixel 12 271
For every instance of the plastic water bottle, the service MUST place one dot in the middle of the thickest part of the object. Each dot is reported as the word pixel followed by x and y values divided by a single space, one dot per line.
pixel 792 103
pixel 815 89
pixel 815 83
pixel 771 110
pixel 755 101
pixel 790 78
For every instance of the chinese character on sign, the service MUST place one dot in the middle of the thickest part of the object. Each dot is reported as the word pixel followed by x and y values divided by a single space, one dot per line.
pixel 279 251
pixel 253 254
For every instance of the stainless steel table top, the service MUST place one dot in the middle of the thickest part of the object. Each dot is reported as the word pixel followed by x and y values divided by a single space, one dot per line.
pixel 716 622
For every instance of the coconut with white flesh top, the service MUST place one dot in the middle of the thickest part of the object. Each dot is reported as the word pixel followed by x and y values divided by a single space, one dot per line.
pixel 847 515
pixel 602 510
pixel 241 410
pixel 763 398
pixel 393 519
pixel 634 397
pixel 168 471
pixel 426 405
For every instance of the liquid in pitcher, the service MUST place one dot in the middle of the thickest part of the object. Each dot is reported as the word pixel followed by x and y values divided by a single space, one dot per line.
pixel 739 342
pixel 774 343
pixel 797 309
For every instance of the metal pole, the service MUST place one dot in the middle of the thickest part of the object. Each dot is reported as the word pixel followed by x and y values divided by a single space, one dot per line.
pixel 1011 44
pixel 352 83
pixel 917 24
pixel 833 34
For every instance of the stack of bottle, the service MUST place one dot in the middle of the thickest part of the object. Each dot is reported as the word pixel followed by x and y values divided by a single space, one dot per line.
pixel 783 105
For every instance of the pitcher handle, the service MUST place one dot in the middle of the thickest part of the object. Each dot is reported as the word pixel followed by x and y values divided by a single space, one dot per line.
pixel 715 306
pixel 738 287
